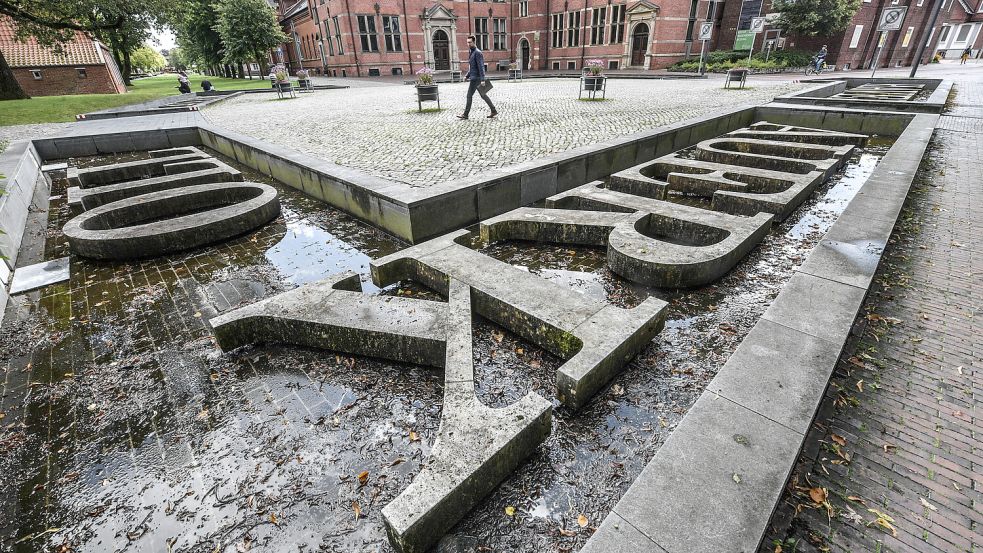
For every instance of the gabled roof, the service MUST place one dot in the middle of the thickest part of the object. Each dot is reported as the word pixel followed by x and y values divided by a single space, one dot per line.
pixel 299 7
pixel 643 6
pixel 82 50
pixel 438 11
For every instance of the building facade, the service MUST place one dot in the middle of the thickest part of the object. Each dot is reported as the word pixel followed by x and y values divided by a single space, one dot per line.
pixel 83 66
pixel 956 28
pixel 398 37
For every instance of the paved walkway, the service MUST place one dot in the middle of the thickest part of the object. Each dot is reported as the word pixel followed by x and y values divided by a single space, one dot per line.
pixel 378 130
pixel 894 461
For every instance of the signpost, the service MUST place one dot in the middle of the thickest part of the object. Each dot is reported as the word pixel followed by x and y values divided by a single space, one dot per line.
pixel 891 20
pixel 757 25
pixel 706 33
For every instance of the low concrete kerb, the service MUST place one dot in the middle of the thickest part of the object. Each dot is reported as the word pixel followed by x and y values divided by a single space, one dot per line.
pixel 726 464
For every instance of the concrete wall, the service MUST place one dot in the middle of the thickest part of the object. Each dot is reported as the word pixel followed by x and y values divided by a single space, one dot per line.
pixel 20 166
pixel 417 214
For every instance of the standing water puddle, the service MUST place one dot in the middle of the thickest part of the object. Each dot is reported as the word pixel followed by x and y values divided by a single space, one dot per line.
pixel 123 427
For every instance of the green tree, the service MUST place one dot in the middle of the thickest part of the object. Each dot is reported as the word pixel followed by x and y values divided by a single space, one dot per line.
pixel 194 25
pixel 148 59
pixel 249 29
pixel 815 17
pixel 178 59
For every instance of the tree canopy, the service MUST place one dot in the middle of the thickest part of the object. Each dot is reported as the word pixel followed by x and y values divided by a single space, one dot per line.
pixel 148 59
pixel 815 17
pixel 194 24
pixel 249 29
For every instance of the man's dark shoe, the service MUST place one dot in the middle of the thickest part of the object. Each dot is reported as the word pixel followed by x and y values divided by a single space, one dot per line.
pixel 493 114
pixel 462 116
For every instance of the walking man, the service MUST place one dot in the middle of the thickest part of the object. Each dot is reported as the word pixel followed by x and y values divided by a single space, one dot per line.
pixel 476 77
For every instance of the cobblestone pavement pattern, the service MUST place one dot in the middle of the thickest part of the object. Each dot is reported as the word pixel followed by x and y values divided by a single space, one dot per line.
pixel 894 461
pixel 379 130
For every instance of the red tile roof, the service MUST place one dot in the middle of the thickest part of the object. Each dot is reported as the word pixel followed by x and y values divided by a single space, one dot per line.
pixel 81 50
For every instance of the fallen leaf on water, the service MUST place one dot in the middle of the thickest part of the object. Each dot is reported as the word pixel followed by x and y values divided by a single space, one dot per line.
pixel 860 385
pixel 582 521
pixel 567 533
pixel 357 509
pixel 363 477
pixel 838 439
pixel 197 314
pixel 927 504
pixel 274 520
pixel 510 510
pixel 519 351
pixel 818 495
pixel 414 437
pixel 858 499
pixel 737 478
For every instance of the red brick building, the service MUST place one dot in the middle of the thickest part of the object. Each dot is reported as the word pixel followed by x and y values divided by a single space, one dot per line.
pixel 958 27
pixel 398 37
pixel 84 66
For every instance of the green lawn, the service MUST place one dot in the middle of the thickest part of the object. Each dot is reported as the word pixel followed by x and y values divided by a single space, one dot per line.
pixel 55 109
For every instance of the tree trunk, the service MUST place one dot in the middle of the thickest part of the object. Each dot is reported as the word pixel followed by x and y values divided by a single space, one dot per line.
pixel 127 67
pixel 10 89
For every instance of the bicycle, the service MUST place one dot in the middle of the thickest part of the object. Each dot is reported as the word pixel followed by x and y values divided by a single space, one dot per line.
pixel 811 69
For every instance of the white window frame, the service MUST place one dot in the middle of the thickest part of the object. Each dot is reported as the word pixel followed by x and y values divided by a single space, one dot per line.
pixel 36 73
pixel 907 37
pixel 858 32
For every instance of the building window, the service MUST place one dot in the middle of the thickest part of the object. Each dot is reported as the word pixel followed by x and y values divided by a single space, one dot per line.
pixel 524 8
pixel 597 22
pixel 327 36
pixel 81 72
pixel 36 73
pixel 858 31
pixel 571 66
pixel 573 29
pixel 556 31
pixel 498 39
pixel 963 33
pixel 692 21
pixel 337 35
pixel 907 37
pixel 617 24
pixel 390 28
pixel 612 65
pixel 367 33
pixel 556 66
pixel 481 33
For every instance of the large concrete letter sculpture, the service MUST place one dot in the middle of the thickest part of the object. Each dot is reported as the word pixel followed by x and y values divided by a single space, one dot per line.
pixel 750 174
pixel 176 200
pixel 476 446
pixel 596 339
pixel 764 168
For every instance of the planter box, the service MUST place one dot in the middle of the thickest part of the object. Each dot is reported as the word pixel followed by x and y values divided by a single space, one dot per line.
pixel 427 93
pixel 594 83
pixel 515 74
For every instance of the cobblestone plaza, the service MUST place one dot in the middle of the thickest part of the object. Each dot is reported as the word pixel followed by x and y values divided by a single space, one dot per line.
pixel 379 130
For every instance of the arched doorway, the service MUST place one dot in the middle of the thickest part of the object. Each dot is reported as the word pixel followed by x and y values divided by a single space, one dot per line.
pixel 441 51
pixel 524 48
pixel 639 44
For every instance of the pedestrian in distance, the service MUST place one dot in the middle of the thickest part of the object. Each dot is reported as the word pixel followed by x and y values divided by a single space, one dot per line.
pixel 183 84
pixel 966 53
pixel 476 80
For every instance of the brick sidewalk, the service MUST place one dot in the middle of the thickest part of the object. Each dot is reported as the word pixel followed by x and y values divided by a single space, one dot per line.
pixel 895 451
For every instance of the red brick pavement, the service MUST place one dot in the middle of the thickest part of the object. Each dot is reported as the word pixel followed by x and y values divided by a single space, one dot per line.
pixel 897 448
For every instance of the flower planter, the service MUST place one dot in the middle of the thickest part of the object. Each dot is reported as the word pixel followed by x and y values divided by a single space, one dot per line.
pixel 594 82
pixel 427 93
pixel 515 74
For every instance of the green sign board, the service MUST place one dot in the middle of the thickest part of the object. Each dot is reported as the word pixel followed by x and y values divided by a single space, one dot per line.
pixel 744 40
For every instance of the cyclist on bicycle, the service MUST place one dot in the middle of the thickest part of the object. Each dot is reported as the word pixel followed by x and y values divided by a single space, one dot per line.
pixel 820 58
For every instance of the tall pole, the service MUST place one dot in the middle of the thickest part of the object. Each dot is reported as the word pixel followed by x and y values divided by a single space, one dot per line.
pixel 921 47
pixel 877 53
pixel 703 43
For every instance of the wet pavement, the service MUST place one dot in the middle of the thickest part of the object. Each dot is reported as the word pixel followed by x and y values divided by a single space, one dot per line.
pixel 123 426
